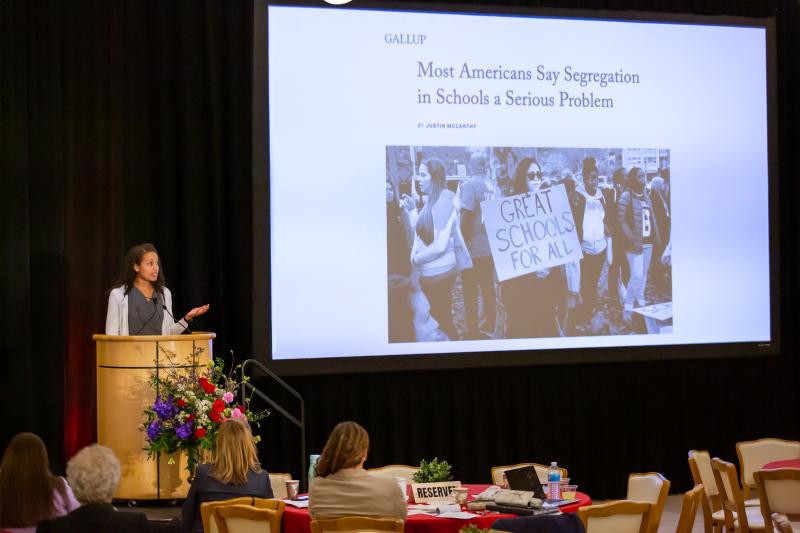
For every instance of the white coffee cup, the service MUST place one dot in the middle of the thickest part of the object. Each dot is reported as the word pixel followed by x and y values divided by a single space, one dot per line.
pixel 292 487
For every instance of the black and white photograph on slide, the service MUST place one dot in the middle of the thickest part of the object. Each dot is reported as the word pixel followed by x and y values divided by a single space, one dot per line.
pixel 521 243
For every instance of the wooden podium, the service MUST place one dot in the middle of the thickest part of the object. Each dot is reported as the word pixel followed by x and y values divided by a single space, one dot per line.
pixel 124 367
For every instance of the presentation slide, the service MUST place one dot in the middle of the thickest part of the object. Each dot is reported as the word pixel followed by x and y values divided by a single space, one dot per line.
pixel 460 182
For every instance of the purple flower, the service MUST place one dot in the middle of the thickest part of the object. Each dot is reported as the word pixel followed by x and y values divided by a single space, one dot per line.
pixel 165 409
pixel 153 430
pixel 184 431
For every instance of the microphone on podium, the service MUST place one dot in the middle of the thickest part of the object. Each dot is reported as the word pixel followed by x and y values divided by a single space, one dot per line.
pixel 164 306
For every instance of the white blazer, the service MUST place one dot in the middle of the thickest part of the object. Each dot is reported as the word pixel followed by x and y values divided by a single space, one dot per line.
pixel 117 315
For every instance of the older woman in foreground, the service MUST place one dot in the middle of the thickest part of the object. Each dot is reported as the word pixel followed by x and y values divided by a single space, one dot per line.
pixel 342 487
pixel 93 474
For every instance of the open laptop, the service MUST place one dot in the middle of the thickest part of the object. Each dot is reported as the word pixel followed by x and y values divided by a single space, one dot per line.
pixel 525 478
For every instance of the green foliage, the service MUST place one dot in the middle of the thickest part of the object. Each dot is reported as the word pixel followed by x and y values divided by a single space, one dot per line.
pixel 433 471
pixel 472 528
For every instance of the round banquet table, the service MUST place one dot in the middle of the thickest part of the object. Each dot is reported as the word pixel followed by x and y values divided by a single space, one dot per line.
pixel 296 520
pixel 786 463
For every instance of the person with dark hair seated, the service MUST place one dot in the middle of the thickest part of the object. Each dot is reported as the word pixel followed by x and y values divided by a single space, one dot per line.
pixel 93 474
pixel 29 493
pixel 235 471
pixel 342 487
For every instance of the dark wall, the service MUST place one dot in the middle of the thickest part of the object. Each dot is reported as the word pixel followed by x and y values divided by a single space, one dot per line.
pixel 129 121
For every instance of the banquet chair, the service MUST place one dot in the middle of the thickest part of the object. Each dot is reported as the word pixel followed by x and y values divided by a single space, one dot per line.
pixel 652 488
pixel 622 516
pixel 738 517
pixel 247 519
pixel 700 466
pixel 278 483
pixel 754 454
pixel 392 471
pixel 356 524
pixel 541 470
pixel 780 493
pixel 691 500
pixel 206 509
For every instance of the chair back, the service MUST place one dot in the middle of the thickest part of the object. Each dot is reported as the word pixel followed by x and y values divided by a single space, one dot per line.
pixel 652 488
pixel 623 516
pixel 278 483
pixel 754 454
pixel 209 522
pixel 269 503
pixel 691 500
pixel 356 524
pixel 247 519
pixel 391 471
pixel 736 517
pixel 541 470
pixel 780 493
pixel 700 466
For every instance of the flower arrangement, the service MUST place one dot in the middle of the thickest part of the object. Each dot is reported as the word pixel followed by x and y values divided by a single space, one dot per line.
pixel 189 407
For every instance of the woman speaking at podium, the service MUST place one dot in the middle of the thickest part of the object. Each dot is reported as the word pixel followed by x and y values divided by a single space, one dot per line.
pixel 140 303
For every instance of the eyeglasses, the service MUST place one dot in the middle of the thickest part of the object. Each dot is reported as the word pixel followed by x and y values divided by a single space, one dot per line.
pixel 535 175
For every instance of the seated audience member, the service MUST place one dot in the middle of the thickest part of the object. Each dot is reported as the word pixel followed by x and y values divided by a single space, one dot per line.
pixel 342 487
pixel 93 474
pixel 29 493
pixel 235 471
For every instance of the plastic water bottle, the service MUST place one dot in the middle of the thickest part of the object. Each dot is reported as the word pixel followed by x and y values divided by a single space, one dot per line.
pixel 554 482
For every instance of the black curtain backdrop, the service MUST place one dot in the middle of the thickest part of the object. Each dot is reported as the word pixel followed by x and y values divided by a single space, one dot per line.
pixel 129 121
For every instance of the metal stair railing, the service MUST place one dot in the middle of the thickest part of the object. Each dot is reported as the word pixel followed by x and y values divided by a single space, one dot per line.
pixel 248 387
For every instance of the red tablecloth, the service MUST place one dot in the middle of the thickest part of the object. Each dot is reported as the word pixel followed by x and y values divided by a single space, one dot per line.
pixel 298 520
pixel 786 463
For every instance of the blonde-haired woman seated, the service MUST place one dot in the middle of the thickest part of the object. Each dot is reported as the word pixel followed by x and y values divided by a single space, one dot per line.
pixel 342 487
pixel 235 471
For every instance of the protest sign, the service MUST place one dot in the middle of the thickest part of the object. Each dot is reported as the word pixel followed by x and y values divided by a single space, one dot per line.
pixel 531 231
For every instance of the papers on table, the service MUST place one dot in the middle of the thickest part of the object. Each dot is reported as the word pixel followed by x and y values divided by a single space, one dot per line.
pixel 442 511
pixel 302 504
pixel 461 515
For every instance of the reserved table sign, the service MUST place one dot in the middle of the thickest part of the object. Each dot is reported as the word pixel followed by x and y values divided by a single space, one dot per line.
pixel 434 492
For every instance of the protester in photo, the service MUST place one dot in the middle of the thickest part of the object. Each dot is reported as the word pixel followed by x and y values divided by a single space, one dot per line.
pixel 433 253
pixel 234 471
pixel 572 272
pixel 480 278
pixel 618 271
pixel 531 300
pixel 29 493
pixel 93 473
pixel 140 303
pixel 591 211
pixel 397 240
pixel 640 235
pixel 341 486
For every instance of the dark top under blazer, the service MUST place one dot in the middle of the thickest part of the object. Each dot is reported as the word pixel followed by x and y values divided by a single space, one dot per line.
pixel 97 518
pixel 207 489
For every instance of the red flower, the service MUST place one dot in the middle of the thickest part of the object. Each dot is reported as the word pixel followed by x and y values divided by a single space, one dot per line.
pixel 208 387
pixel 190 417
pixel 181 403
pixel 200 433
pixel 215 416
pixel 218 406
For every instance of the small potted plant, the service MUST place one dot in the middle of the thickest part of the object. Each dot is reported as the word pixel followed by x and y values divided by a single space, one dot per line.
pixel 434 471
pixel 433 482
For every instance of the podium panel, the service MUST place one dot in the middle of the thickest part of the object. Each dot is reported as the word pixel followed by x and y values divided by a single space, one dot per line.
pixel 124 367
